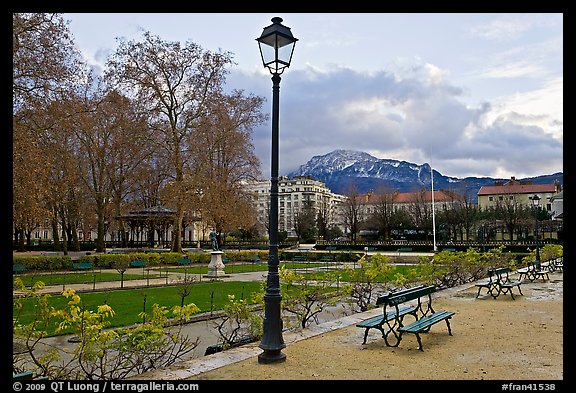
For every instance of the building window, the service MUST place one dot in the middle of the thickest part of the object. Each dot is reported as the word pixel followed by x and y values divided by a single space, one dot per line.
pixel 491 199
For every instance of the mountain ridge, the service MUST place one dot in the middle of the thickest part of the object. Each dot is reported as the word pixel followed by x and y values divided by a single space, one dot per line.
pixel 341 169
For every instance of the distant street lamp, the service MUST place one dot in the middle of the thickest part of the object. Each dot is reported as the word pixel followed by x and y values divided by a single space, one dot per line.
pixel 276 47
pixel 536 202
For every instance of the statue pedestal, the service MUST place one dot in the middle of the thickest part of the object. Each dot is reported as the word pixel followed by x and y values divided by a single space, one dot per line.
pixel 216 266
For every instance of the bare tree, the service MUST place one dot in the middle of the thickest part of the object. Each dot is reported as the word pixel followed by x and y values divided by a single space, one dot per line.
pixel 174 82
pixel 352 211
pixel 45 65
pixel 383 217
pixel 224 157
pixel 421 211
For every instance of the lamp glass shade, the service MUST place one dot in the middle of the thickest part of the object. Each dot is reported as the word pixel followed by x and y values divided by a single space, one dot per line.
pixel 276 46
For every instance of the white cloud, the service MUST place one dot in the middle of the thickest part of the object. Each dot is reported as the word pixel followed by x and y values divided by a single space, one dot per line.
pixel 513 70
pixel 501 29
pixel 410 119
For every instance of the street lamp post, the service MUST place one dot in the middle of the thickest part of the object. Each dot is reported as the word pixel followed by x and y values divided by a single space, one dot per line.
pixel 536 202
pixel 276 47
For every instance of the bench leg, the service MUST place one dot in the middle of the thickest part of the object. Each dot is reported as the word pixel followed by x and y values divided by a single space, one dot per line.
pixel 373 327
pixel 448 324
pixel 419 342
pixel 365 335
pixel 478 294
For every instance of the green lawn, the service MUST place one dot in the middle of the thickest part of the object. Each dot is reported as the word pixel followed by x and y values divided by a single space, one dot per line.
pixel 59 278
pixel 128 303
pixel 83 277
pixel 208 296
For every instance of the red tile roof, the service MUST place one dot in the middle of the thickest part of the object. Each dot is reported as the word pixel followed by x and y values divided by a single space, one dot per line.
pixel 515 188
pixel 407 197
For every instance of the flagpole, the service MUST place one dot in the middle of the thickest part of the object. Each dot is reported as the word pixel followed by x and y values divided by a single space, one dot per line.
pixel 433 208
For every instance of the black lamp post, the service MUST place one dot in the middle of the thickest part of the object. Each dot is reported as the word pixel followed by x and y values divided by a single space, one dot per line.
pixel 536 202
pixel 276 47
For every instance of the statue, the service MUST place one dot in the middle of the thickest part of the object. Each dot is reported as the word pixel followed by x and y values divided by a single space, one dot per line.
pixel 213 240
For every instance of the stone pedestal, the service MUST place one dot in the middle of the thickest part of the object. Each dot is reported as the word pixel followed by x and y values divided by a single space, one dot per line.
pixel 216 266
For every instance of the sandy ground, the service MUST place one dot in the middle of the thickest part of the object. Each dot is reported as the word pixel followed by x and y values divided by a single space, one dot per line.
pixel 493 339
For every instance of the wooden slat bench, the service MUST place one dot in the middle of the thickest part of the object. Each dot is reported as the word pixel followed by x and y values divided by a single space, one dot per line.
pixel 327 258
pixel 26 376
pixel 184 262
pixel 299 258
pixel 554 264
pixel 18 268
pixel 378 321
pixel 138 263
pixel 82 265
pixel 533 272
pixel 498 283
pixel 558 264
pixel 425 313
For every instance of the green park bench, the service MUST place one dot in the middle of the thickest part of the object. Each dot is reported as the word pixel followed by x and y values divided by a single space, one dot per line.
pixel 426 316
pixel 405 249
pixel 449 249
pixel 26 376
pixel 378 321
pixel 555 264
pixel 256 259
pixel 18 268
pixel 299 258
pixel 533 271
pixel 184 262
pixel 498 283
pixel 138 263
pixel 331 248
pixel 82 265
pixel 327 258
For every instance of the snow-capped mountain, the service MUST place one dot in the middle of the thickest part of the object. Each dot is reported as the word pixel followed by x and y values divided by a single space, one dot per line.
pixel 342 168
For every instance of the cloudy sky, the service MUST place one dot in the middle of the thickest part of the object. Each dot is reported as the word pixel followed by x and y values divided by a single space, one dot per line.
pixel 472 94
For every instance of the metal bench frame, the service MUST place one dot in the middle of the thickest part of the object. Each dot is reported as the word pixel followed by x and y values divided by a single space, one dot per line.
pixel 138 263
pixel 533 272
pixel 426 316
pixel 82 265
pixel 499 283
pixel 390 319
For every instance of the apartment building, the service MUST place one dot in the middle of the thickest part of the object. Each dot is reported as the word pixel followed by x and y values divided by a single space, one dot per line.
pixel 521 193
pixel 293 195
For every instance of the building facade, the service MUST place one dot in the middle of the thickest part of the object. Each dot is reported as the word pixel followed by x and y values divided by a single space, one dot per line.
pixel 520 193
pixel 293 195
